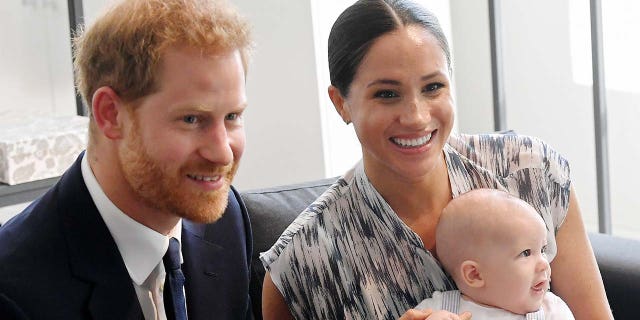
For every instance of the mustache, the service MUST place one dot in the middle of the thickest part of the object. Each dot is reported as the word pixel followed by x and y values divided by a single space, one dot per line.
pixel 208 169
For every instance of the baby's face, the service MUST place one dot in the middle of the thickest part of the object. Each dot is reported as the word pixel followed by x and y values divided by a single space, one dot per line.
pixel 516 270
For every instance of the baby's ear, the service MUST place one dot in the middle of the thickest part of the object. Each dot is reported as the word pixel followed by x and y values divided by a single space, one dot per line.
pixel 471 275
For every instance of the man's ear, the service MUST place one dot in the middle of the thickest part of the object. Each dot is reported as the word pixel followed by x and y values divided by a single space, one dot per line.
pixel 107 109
pixel 339 103
pixel 471 275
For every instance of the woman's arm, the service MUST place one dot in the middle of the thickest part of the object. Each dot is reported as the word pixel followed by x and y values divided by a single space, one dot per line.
pixel 575 274
pixel 273 305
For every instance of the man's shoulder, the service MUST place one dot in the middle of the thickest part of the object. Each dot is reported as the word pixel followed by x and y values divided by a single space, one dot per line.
pixel 27 238
pixel 33 255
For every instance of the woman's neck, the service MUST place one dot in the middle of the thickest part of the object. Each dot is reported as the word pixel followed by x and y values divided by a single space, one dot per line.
pixel 418 203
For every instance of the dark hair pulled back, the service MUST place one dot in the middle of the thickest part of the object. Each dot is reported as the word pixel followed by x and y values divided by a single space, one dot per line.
pixel 362 23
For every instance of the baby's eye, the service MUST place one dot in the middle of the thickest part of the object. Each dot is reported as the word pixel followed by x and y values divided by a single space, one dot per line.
pixel 191 119
pixel 385 94
pixel 525 253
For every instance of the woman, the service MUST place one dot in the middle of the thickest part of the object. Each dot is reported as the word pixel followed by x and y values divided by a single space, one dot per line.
pixel 364 249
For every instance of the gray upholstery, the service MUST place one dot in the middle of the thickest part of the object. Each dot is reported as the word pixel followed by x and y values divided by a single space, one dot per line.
pixel 271 210
pixel 619 263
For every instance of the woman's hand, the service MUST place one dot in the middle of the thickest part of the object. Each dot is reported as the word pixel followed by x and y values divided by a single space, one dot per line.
pixel 429 314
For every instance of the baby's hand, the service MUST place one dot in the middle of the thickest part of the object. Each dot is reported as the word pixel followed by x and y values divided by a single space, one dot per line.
pixel 415 314
pixel 446 315
pixel 429 314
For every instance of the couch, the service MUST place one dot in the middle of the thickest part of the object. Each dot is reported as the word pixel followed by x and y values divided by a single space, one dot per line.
pixel 271 210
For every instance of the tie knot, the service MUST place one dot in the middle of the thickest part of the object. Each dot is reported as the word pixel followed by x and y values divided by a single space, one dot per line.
pixel 171 259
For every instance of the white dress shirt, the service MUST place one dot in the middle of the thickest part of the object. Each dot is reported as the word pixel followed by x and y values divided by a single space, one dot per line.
pixel 141 247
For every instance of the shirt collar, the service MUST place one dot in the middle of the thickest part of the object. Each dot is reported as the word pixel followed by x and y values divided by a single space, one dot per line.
pixel 141 247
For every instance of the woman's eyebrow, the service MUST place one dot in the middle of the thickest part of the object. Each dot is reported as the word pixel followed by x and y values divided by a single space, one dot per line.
pixel 397 83
pixel 383 81
pixel 432 75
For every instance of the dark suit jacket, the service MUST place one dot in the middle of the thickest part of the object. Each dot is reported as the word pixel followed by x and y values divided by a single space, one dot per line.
pixel 59 261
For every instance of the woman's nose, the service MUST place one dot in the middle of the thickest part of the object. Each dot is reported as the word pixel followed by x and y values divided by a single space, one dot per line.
pixel 416 114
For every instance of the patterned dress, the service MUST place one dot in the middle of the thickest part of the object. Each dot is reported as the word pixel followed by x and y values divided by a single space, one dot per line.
pixel 349 256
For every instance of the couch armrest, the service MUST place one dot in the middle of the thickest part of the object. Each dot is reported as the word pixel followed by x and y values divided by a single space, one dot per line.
pixel 619 263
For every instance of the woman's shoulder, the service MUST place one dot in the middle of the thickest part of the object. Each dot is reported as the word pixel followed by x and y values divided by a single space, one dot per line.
pixel 505 153
pixel 492 143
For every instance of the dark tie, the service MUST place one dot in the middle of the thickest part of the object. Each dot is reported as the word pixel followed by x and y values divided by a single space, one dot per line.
pixel 173 294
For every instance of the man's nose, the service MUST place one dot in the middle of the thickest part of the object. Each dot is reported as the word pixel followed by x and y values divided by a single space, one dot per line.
pixel 216 146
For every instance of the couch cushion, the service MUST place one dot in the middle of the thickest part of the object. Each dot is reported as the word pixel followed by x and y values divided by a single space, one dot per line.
pixel 619 263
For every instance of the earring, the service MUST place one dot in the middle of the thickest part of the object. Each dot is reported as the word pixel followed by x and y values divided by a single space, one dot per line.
pixel 347 122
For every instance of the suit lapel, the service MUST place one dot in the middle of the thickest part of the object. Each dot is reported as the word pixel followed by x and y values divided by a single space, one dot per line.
pixel 216 264
pixel 93 254
pixel 201 267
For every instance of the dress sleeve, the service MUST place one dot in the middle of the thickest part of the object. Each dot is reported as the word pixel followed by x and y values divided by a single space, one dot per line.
pixel 539 175
pixel 558 183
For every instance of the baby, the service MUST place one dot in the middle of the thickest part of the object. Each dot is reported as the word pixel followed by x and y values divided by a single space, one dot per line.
pixel 493 246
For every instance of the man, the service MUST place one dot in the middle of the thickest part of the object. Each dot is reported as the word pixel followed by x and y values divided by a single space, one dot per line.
pixel 165 84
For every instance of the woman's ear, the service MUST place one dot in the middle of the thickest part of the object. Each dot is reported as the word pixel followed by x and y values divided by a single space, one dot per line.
pixel 107 109
pixel 471 275
pixel 339 103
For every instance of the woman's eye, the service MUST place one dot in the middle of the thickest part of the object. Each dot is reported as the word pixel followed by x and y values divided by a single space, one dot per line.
pixel 190 119
pixel 526 253
pixel 386 94
pixel 434 86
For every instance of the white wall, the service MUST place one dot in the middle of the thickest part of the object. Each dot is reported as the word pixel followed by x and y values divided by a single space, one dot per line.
pixel 283 123
pixel 472 66
pixel 35 59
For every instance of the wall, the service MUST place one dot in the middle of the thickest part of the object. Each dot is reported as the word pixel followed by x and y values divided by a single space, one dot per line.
pixel 472 66
pixel 35 59
pixel 283 124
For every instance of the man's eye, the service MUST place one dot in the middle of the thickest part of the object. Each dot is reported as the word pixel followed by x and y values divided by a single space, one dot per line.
pixel 232 116
pixel 385 94
pixel 190 119
pixel 543 250
pixel 526 253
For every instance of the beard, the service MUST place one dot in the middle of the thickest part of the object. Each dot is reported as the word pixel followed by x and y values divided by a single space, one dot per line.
pixel 159 185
